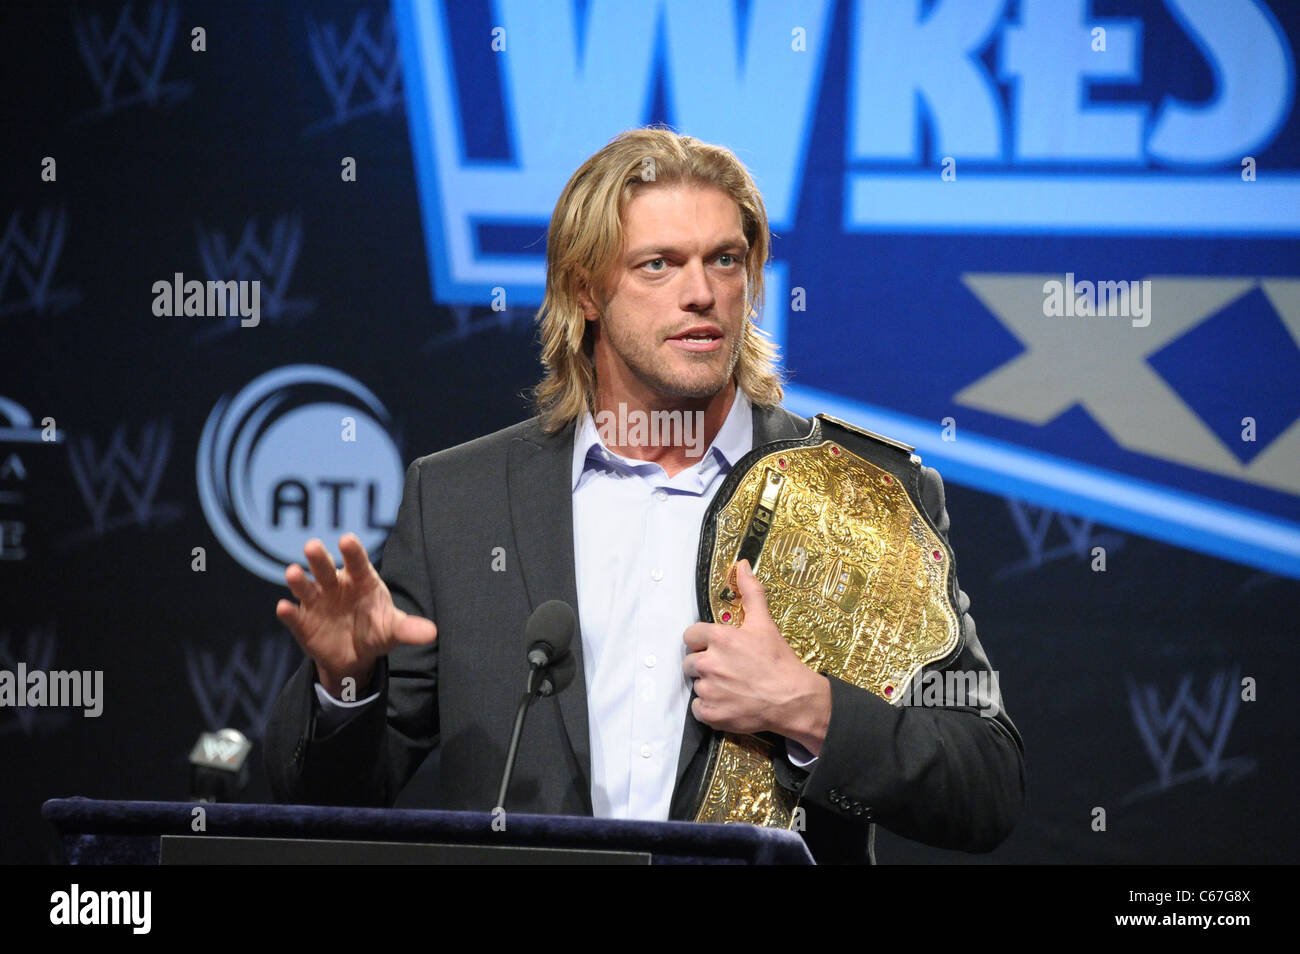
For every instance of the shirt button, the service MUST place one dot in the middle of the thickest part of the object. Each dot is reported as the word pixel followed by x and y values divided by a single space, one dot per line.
pixel 656 574
pixel 650 661
pixel 645 751
pixel 661 495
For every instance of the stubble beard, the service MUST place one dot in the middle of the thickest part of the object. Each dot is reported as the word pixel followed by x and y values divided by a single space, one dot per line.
pixel 640 360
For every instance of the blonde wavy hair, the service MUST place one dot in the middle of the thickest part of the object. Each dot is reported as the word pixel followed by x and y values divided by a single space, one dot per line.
pixel 586 239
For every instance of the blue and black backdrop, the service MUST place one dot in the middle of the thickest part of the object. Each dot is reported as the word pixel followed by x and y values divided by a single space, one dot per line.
pixel 1051 243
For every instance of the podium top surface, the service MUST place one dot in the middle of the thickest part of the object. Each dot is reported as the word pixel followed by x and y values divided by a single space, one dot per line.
pixel 74 817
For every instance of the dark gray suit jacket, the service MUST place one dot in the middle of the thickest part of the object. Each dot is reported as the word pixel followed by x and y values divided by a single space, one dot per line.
pixel 945 776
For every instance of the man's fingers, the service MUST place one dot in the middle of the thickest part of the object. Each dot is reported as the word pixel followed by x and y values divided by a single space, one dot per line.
pixel 697 710
pixel 322 564
pixel 355 559
pixel 751 593
pixel 691 665
pixel 414 630
pixel 303 589
pixel 696 637
pixel 287 612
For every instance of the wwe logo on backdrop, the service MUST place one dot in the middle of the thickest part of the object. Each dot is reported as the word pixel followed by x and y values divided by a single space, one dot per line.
pixel 130 50
pixel 27 264
pixel 371 63
pixel 248 259
pixel 1034 525
pixel 17 429
pixel 470 320
pixel 38 653
pixel 1203 724
pixel 238 694
pixel 120 471
pixel 1257 580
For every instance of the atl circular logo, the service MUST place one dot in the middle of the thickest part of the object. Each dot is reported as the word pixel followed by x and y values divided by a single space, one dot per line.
pixel 302 451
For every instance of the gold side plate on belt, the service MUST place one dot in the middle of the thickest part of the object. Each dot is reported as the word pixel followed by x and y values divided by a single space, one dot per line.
pixel 856 580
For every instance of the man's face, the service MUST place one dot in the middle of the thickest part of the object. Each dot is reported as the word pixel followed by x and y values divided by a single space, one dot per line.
pixel 671 327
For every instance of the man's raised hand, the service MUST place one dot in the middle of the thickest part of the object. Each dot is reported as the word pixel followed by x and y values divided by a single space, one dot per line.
pixel 346 619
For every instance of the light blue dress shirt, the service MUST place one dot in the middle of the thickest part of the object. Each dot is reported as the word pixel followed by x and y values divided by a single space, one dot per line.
pixel 635 536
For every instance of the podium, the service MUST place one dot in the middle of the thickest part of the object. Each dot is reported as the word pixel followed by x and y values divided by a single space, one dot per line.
pixel 97 832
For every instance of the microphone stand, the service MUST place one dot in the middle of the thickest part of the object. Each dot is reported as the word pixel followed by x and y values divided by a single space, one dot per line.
pixel 531 693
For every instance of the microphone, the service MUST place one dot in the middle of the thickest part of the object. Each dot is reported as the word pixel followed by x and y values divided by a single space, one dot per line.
pixel 548 634
pixel 219 766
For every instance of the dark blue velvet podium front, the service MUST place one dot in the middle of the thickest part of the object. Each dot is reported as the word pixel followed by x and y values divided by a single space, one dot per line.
pixel 92 831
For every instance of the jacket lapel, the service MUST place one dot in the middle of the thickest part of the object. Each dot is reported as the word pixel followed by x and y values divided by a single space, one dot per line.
pixel 539 477
pixel 778 424
pixel 770 424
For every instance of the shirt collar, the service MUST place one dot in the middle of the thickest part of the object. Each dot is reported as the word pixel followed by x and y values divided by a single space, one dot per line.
pixel 734 440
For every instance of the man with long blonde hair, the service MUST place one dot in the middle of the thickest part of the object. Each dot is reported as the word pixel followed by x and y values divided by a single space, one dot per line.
pixel 657 381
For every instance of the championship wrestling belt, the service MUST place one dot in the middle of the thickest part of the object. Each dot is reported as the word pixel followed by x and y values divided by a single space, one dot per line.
pixel 857 578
